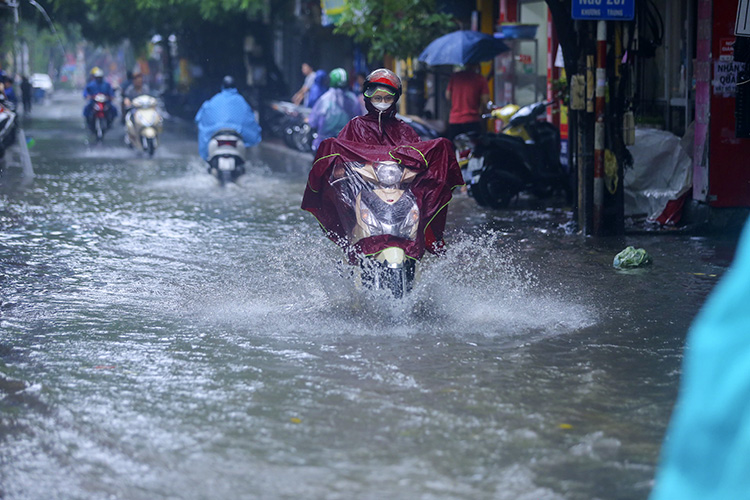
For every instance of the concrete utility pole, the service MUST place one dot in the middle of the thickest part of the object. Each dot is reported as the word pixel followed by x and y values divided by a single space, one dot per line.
pixel 599 131
pixel 13 4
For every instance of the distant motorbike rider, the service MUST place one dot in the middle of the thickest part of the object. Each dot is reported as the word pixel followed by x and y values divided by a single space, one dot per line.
pixel 382 89
pixel 335 107
pixel 136 88
pixel 226 110
pixel 98 86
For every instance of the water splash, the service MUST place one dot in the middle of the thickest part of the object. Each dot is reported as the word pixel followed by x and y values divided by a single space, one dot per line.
pixel 300 285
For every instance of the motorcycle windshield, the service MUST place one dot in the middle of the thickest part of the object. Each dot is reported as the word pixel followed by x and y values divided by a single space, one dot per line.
pixel 147 117
pixel 367 208
pixel 364 214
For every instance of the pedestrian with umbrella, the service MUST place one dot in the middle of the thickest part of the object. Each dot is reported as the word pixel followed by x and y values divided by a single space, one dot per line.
pixel 467 90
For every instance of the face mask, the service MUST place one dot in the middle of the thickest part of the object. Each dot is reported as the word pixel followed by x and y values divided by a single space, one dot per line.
pixel 382 106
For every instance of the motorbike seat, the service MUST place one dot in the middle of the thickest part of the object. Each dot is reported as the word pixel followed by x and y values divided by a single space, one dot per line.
pixel 227 131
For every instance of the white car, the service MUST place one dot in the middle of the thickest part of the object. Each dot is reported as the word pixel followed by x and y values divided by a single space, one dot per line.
pixel 42 81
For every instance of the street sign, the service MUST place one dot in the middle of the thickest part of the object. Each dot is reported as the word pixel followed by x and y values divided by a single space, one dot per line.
pixel 742 24
pixel 603 10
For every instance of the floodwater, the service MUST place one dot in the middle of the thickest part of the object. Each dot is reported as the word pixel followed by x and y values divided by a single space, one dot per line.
pixel 162 337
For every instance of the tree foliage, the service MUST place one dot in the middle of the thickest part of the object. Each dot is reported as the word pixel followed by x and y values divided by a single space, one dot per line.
pixel 209 10
pixel 400 28
pixel 107 21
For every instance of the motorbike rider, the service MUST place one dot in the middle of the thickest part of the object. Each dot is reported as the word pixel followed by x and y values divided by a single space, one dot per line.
pixel 98 86
pixel 379 134
pixel 226 110
pixel 136 88
pixel 335 107
pixel 381 89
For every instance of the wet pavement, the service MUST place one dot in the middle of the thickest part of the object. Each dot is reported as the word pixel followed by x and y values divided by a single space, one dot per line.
pixel 163 337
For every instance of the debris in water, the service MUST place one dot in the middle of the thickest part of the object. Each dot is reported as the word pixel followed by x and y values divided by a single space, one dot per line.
pixel 631 257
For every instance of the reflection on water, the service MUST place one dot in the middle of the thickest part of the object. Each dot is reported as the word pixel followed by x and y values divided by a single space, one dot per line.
pixel 162 337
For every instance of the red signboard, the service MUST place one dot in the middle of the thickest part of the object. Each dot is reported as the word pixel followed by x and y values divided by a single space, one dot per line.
pixel 524 58
pixel 728 157
pixel 726 49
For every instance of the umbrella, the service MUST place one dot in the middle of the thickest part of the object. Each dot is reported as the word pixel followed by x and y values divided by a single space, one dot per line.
pixel 462 47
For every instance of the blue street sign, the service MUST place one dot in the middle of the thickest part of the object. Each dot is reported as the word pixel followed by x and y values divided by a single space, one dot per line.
pixel 603 10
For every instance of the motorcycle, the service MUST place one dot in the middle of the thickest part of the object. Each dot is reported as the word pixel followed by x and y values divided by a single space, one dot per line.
pixel 383 205
pixel 377 201
pixel 298 134
pixel 226 156
pixel 276 115
pixel 143 124
pixel 8 126
pixel 523 157
pixel 287 121
pixel 100 120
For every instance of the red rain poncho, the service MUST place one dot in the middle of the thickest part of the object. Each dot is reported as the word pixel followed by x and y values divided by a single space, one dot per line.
pixel 439 173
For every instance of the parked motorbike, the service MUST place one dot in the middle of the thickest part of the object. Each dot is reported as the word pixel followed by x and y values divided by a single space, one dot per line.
pixel 287 121
pixel 99 120
pixel 226 156
pixel 143 124
pixel 275 116
pixel 8 126
pixel 375 199
pixel 523 157
pixel 298 134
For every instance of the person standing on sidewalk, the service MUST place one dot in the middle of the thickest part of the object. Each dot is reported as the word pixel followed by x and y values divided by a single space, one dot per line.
pixel 468 94
pixel 26 92
pixel 301 96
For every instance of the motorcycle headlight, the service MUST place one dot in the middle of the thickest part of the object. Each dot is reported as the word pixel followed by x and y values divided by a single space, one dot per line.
pixel 388 173
pixel 369 220
pixel 410 223
pixel 148 121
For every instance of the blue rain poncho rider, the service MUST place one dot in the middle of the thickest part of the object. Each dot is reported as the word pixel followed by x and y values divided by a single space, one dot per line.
pixel 226 110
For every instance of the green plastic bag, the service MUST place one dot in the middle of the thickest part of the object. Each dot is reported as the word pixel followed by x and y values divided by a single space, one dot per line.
pixel 631 257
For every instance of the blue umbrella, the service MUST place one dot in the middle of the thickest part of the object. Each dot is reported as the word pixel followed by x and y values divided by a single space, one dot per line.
pixel 462 47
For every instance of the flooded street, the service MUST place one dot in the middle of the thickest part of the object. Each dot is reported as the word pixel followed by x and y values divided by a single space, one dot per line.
pixel 162 337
